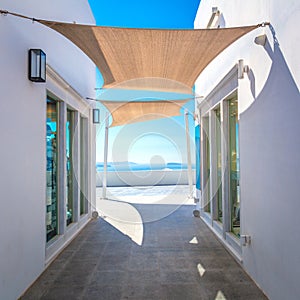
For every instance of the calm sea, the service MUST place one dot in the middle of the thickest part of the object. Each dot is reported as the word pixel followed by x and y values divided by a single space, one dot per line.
pixel 129 166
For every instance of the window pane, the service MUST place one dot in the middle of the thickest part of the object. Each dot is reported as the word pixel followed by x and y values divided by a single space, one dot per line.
pixel 234 166
pixel 219 164
pixel 69 139
pixel 51 153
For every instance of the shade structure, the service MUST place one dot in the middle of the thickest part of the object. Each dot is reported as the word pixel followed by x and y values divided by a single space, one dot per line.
pixel 126 54
pixel 124 112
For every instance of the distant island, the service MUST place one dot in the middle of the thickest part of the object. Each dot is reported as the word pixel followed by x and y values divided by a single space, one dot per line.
pixel 132 166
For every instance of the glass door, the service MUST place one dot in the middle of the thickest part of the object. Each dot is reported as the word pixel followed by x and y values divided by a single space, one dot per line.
pixel 69 188
pixel 218 158
pixel 51 170
pixel 206 173
pixel 234 190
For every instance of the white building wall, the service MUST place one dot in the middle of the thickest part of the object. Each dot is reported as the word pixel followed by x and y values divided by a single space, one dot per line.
pixel 23 130
pixel 269 107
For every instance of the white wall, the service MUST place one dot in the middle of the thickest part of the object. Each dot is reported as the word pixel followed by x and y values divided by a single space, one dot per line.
pixel 22 123
pixel 269 105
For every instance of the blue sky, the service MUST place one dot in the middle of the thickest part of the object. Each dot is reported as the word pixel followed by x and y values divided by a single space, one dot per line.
pixel 153 141
pixel 145 14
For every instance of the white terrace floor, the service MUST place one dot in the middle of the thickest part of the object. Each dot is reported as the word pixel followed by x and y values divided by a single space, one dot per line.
pixel 140 251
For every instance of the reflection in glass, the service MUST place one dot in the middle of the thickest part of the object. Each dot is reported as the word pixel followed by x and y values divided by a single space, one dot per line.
pixel 234 166
pixel 219 163
pixel 207 164
pixel 69 138
pixel 51 153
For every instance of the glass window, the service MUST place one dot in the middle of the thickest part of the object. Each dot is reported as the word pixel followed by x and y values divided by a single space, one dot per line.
pixel 234 191
pixel 217 112
pixel 206 165
pixel 83 165
pixel 51 154
pixel 69 187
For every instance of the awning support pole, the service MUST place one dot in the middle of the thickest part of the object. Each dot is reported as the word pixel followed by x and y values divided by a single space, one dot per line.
pixel 104 183
pixel 188 150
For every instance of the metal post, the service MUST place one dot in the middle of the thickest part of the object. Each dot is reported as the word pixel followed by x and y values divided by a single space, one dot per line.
pixel 188 149
pixel 104 183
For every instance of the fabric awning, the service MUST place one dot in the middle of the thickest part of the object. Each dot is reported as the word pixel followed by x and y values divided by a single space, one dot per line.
pixel 150 59
pixel 124 112
pixel 150 55
pixel 161 59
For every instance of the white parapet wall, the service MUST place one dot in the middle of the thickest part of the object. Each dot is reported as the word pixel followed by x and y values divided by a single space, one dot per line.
pixel 145 178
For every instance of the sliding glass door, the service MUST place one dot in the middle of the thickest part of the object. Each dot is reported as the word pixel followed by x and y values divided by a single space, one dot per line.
pixel 51 169
pixel 69 166
pixel 218 160
pixel 234 188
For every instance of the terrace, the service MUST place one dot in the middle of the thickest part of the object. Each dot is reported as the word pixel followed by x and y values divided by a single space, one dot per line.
pixel 178 257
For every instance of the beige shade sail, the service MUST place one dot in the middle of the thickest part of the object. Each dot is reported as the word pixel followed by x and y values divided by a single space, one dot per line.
pixel 126 54
pixel 150 59
pixel 124 112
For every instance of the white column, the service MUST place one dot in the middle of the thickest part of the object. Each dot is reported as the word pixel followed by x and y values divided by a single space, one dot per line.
pixel 188 149
pixel 104 183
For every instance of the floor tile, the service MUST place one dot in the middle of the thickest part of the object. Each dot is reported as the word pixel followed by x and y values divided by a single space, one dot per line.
pixel 180 258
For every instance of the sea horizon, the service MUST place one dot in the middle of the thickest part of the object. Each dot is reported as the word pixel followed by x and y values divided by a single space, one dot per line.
pixel 133 166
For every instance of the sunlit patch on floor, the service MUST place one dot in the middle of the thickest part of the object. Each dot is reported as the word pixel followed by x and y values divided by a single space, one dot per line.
pixel 194 240
pixel 220 296
pixel 200 269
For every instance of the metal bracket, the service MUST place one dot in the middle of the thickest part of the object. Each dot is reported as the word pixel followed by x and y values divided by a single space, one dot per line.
pixel 245 240
pixel 3 12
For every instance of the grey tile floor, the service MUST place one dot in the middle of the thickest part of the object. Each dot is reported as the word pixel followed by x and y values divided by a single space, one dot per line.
pixel 179 259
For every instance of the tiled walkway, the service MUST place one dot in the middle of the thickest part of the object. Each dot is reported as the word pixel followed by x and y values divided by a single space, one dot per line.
pixel 180 259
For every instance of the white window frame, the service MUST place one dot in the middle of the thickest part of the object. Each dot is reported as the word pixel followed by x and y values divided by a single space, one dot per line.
pixel 219 96
pixel 60 90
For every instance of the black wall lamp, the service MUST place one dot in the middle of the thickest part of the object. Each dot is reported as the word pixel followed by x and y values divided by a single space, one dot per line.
pixel 96 115
pixel 37 65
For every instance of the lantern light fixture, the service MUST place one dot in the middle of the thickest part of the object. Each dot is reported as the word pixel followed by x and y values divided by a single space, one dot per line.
pixel 242 68
pixel 261 40
pixel 96 115
pixel 37 65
